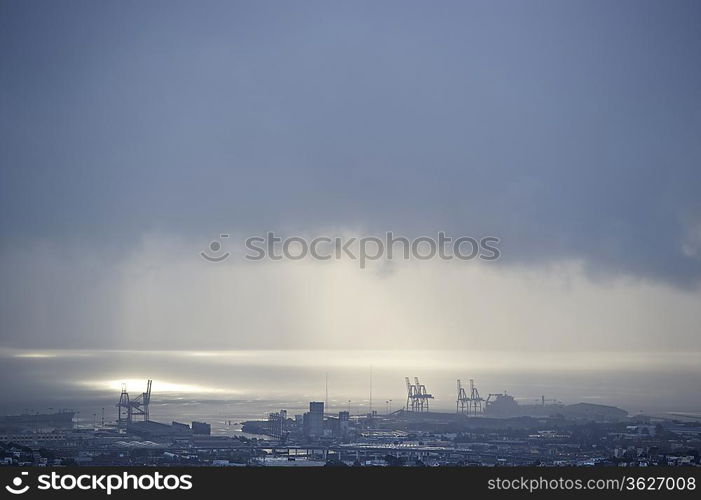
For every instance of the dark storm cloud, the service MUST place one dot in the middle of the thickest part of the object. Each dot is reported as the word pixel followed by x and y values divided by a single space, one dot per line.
pixel 568 129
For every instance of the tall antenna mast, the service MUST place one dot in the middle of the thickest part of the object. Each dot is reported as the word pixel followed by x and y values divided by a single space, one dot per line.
pixel 370 389
pixel 326 400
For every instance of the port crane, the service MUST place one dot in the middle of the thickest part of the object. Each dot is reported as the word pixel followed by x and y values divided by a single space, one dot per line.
pixel 417 397
pixel 469 404
pixel 127 408
pixel 462 403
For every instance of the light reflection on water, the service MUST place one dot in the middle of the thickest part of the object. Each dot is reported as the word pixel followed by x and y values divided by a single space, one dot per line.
pixel 223 386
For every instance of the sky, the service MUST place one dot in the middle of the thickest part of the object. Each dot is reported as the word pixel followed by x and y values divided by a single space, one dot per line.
pixel 134 133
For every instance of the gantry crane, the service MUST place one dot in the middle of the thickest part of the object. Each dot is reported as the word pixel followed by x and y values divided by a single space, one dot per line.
pixel 127 408
pixel 417 397
pixel 469 404
pixel 462 402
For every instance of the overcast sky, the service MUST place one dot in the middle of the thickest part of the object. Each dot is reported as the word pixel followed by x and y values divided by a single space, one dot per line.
pixel 133 133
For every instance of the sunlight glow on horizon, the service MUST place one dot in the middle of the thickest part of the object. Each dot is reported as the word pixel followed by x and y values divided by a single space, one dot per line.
pixel 135 385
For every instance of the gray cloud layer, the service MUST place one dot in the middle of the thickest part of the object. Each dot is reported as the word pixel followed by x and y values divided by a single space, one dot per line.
pixel 566 128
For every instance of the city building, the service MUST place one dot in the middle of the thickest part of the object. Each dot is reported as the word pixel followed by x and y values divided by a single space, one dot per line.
pixel 314 420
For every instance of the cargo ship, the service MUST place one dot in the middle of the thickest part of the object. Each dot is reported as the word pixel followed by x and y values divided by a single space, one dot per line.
pixel 38 421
